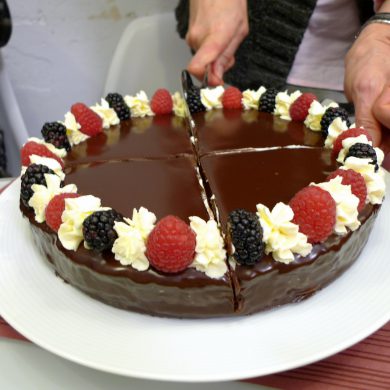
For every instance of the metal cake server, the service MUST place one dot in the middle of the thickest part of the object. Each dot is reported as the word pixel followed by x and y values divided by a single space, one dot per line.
pixel 205 82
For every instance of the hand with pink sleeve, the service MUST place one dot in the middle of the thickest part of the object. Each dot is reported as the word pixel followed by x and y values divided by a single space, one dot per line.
pixel 216 29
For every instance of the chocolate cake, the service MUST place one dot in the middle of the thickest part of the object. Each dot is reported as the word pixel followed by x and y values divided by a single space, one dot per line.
pixel 201 169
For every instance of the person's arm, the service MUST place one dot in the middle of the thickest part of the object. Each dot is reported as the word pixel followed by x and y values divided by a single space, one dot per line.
pixel 216 29
pixel 367 76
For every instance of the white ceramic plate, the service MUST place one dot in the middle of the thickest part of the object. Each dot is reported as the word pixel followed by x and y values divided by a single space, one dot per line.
pixel 66 322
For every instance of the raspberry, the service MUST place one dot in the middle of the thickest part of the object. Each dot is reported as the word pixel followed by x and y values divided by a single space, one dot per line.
pixel 162 102
pixel 117 103
pixel 350 133
pixel 330 115
pixel 300 108
pixel 267 100
pixel 171 245
pixel 55 208
pixel 98 229
pixel 247 237
pixel 361 150
pixel 91 123
pixel 35 174
pixel 231 98
pixel 32 147
pixel 193 100
pixel 55 133
pixel 356 181
pixel 314 213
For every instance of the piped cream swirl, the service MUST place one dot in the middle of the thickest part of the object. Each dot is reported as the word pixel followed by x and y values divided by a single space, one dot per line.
pixel 280 235
pixel 210 254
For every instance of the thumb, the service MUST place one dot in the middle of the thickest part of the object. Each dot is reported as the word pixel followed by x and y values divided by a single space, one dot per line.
pixel 365 118
pixel 218 68
pixel 208 52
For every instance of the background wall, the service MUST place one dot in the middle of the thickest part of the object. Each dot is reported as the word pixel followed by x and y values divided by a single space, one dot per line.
pixel 60 51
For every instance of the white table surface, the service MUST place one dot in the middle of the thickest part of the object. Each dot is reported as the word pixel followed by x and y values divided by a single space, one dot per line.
pixel 26 366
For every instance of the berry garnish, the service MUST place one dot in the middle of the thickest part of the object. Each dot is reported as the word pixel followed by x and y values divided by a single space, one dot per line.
pixel 117 103
pixel 98 229
pixel 231 99
pixel 330 115
pixel 55 133
pixel 90 122
pixel 300 108
pixel 267 100
pixel 35 174
pixel 246 235
pixel 55 208
pixel 355 180
pixel 31 148
pixel 361 150
pixel 171 245
pixel 162 102
pixel 350 133
pixel 193 101
pixel 314 213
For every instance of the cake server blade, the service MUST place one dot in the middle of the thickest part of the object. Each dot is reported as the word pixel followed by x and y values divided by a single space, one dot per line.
pixel 205 82
pixel 186 82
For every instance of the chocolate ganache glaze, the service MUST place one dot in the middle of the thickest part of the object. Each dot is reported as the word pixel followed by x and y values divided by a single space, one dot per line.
pixel 244 179
pixel 244 158
pixel 156 137
pixel 159 185
pixel 233 129
pixel 189 294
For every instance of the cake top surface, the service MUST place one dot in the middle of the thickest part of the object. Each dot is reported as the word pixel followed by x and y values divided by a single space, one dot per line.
pixel 159 185
pixel 152 137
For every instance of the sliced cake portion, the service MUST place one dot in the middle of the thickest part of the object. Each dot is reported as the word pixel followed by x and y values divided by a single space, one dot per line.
pixel 244 180
pixel 219 130
pixel 151 137
pixel 163 187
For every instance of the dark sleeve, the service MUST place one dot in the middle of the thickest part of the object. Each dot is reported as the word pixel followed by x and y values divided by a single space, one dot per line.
pixel 366 10
pixel 182 13
pixel 266 55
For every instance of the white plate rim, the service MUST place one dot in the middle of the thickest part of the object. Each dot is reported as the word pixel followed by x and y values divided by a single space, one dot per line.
pixel 22 327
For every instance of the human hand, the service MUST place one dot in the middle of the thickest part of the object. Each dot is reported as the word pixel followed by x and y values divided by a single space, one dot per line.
pixel 367 79
pixel 216 29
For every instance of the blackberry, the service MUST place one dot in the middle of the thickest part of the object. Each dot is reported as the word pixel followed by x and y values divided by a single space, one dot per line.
pixel 98 229
pixel 193 101
pixel 55 133
pixel 330 115
pixel 116 102
pixel 267 100
pixel 35 174
pixel 361 150
pixel 246 235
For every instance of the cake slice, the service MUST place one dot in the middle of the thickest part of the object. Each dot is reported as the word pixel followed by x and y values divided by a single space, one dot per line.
pixel 243 180
pixel 220 130
pixel 164 187
pixel 161 186
pixel 150 137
